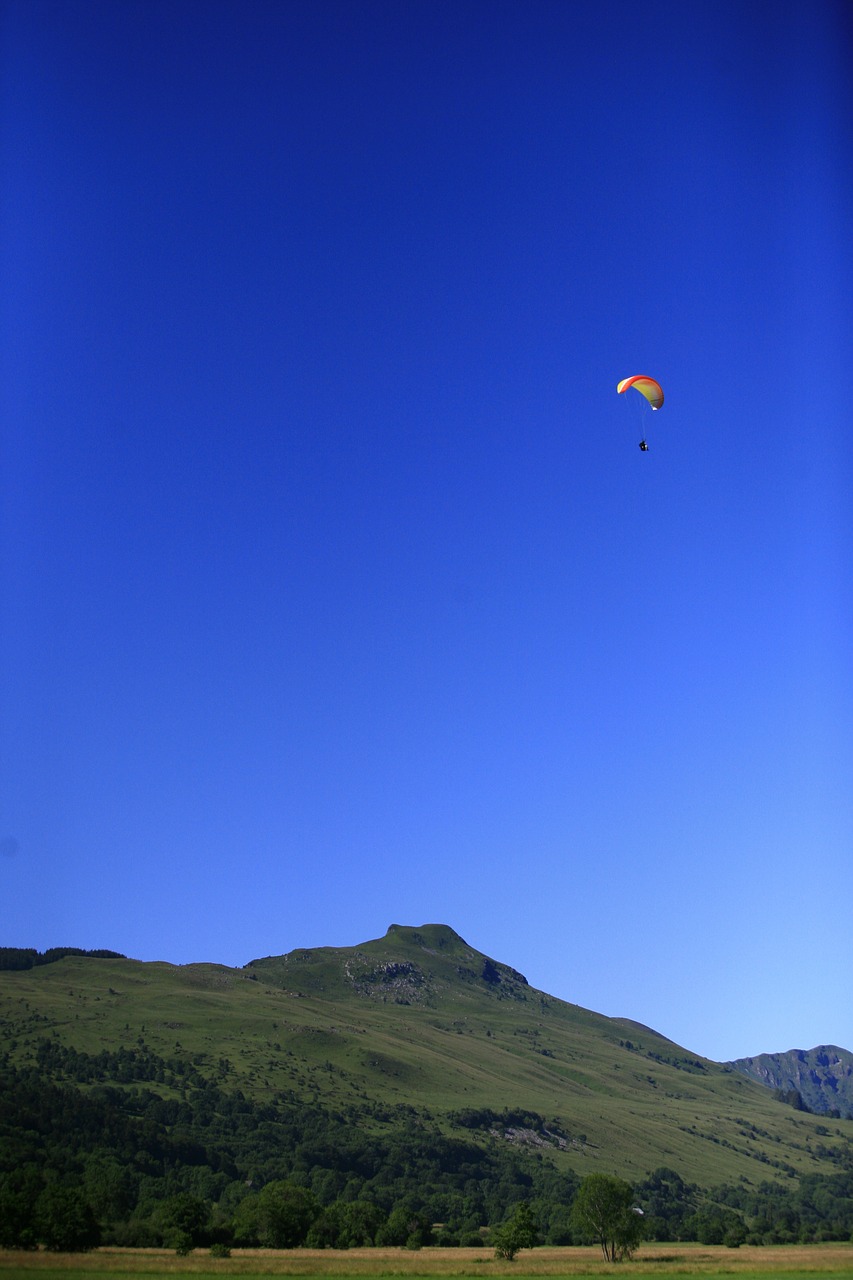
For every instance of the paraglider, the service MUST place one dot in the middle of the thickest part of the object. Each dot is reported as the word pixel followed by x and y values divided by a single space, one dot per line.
pixel 651 391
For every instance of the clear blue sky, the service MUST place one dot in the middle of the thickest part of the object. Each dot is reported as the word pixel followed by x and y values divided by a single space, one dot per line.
pixel 336 592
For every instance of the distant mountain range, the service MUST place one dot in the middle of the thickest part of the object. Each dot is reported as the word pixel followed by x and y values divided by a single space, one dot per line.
pixel 420 1023
pixel 821 1077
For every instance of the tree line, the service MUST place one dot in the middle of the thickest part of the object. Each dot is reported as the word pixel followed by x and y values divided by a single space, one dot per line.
pixel 29 958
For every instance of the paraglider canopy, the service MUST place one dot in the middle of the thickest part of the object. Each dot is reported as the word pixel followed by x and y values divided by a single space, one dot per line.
pixel 653 391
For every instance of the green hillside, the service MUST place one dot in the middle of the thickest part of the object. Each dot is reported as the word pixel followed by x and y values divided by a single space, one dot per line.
pixel 418 1024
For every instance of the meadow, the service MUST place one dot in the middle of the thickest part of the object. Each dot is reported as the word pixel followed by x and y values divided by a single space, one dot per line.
pixel 793 1262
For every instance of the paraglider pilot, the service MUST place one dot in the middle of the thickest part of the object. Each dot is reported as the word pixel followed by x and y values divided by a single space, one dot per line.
pixel 648 389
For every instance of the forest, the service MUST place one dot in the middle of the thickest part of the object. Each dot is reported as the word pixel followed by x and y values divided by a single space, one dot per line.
pixel 129 1147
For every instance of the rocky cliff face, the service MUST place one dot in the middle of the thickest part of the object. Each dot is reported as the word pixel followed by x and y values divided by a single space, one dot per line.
pixel 823 1077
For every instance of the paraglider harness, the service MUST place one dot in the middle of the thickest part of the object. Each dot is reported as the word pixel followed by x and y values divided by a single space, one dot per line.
pixel 644 446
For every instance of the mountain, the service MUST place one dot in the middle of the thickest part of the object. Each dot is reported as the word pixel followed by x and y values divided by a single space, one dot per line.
pixel 823 1077
pixel 416 1027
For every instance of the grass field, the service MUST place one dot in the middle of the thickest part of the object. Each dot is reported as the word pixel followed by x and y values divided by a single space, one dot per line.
pixel 793 1262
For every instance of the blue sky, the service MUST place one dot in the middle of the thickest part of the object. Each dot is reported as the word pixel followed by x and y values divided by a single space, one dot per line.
pixel 336 592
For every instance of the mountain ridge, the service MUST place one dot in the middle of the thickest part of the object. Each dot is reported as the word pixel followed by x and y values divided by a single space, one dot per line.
pixel 420 1022
pixel 408 1072
pixel 822 1077
pixel 777 1070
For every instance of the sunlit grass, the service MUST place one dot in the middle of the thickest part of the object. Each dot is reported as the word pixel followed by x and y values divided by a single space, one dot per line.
pixel 628 1099
pixel 793 1262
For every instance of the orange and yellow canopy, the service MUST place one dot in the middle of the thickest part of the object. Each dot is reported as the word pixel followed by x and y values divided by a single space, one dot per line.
pixel 653 391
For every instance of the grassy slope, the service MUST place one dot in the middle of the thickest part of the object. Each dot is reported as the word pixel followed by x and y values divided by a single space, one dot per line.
pixel 410 1019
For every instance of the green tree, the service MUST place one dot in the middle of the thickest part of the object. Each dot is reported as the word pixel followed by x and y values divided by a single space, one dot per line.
pixel 346 1225
pixel 285 1212
pixel 108 1185
pixel 182 1219
pixel 668 1202
pixel 604 1210
pixel 716 1224
pixel 65 1221
pixel 518 1232
pixel 19 1193
pixel 246 1223
pixel 405 1226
